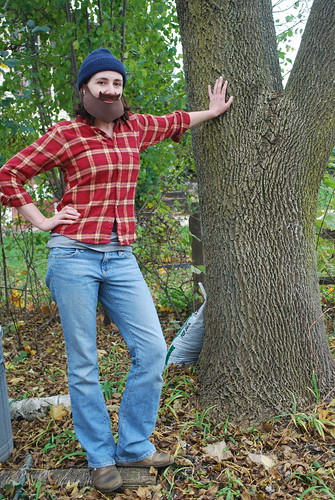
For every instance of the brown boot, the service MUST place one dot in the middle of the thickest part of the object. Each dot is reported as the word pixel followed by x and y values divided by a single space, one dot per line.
pixel 155 460
pixel 106 479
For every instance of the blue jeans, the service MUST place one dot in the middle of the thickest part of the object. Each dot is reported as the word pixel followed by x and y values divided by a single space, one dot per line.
pixel 77 280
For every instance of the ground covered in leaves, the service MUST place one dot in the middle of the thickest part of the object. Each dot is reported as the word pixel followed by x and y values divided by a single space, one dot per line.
pixel 289 457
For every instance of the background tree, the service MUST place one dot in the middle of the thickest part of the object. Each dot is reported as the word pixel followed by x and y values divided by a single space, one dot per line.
pixel 43 45
pixel 259 171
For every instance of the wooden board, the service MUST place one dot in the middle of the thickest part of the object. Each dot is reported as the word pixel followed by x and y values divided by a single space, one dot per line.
pixel 132 477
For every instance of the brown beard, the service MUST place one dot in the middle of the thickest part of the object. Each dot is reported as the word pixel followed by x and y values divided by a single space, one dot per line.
pixel 106 112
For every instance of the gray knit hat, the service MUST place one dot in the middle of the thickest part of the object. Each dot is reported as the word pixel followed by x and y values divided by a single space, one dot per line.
pixel 100 60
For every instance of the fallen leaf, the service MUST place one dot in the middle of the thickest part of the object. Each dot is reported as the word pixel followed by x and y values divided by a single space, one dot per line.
pixel 287 451
pixel 180 460
pixel 58 412
pixel 16 380
pixel 153 471
pixel 141 492
pixel 219 451
pixel 29 350
pixel 158 492
pixel 75 492
pixel 265 460
pixel 324 414
pixel 101 353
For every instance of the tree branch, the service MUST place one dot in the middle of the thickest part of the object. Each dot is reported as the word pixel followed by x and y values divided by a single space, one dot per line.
pixel 123 30
pixel 315 95
pixel 270 44
pixel 73 59
pixel 258 71
pixel 328 280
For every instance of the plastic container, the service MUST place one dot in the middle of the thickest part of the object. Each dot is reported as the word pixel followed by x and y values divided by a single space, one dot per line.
pixel 6 437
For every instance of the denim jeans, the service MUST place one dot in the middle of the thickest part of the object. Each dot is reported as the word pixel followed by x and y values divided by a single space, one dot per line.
pixel 77 280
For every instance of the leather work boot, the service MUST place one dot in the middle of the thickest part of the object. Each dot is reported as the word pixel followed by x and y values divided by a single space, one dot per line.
pixel 106 479
pixel 155 460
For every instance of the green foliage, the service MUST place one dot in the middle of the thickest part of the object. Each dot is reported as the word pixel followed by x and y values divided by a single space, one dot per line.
pixel 325 222
pixel 230 490
pixel 163 251
pixel 164 167
pixel 316 485
pixel 289 27
pixel 43 48
pixel 24 260
pixel 202 423
pixel 320 420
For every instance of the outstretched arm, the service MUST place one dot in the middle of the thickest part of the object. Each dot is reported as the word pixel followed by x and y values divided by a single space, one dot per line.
pixel 217 103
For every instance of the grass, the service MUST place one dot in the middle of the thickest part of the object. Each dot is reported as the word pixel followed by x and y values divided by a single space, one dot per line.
pixel 24 262
pixel 22 247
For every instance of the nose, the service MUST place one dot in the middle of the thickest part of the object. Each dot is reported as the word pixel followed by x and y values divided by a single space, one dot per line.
pixel 111 90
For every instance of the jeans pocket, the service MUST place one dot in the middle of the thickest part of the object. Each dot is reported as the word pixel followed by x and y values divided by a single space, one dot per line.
pixel 63 253
pixel 125 254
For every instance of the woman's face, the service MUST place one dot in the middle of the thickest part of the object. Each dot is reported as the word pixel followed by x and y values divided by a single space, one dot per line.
pixel 106 82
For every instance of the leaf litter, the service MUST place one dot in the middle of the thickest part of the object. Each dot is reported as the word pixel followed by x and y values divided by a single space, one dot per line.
pixel 290 457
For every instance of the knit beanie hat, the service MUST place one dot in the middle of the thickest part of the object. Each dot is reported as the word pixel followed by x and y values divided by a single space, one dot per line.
pixel 100 60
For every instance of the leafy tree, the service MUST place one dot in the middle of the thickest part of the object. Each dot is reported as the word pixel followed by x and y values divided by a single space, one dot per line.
pixel 259 171
pixel 43 45
pixel 290 19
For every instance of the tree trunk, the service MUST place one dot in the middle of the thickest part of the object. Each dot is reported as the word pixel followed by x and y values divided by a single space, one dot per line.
pixel 259 170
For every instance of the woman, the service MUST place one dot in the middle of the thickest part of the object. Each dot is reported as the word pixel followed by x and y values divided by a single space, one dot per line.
pixel 90 256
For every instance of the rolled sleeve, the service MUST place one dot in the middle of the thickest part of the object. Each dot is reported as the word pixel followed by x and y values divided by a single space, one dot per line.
pixel 154 129
pixel 42 155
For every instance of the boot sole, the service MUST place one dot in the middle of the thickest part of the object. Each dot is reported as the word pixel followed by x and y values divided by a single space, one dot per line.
pixel 110 490
pixel 141 466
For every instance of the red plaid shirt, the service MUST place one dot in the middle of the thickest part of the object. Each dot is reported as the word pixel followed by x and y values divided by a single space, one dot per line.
pixel 100 171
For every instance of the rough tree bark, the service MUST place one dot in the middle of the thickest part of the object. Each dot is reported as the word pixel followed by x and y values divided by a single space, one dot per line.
pixel 259 170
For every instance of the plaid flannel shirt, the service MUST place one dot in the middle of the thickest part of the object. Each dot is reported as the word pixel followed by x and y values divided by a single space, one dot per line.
pixel 100 171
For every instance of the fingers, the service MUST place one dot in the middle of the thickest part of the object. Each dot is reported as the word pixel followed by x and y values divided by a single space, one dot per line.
pixel 217 97
pixel 230 101
pixel 67 215
pixel 218 84
pixel 69 211
pixel 66 221
pixel 220 87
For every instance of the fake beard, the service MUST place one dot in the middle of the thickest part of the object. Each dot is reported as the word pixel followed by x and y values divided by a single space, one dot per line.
pixel 106 112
